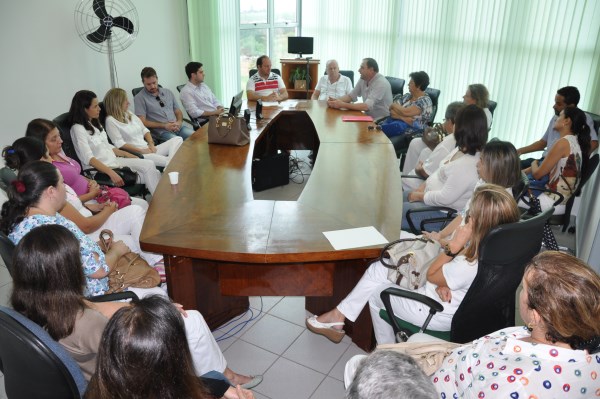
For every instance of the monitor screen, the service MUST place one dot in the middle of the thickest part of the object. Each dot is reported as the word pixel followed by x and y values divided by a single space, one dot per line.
pixel 236 103
pixel 300 45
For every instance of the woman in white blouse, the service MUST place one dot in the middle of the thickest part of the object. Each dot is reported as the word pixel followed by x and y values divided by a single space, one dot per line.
pixel 127 132
pixel 92 146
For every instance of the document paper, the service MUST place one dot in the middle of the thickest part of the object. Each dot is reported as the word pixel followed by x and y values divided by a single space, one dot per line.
pixel 355 238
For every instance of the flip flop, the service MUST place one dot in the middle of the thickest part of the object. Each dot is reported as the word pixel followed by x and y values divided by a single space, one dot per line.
pixel 325 329
pixel 256 379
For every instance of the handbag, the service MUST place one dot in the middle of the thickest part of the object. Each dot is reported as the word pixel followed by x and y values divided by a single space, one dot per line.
pixel 129 177
pixel 131 270
pixel 428 355
pixel 408 260
pixel 114 194
pixel 434 135
pixel 228 129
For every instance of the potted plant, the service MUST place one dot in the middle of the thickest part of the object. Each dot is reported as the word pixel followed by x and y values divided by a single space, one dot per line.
pixel 299 78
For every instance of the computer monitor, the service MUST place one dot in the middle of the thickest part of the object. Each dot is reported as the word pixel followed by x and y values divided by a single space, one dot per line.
pixel 300 45
pixel 236 103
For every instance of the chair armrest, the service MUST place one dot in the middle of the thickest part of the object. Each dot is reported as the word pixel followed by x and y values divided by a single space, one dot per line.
pixel 117 296
pixel 193 122
pixel 560 199
pixel 434 306
pixel 451 213
pixel 412 177
pixel 137 154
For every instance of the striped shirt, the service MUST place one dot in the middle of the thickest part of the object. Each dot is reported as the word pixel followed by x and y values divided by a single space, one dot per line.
pixel 264 87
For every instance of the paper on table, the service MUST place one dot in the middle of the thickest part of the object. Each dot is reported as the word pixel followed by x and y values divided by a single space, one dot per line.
pixel 355 238
pixel 270 104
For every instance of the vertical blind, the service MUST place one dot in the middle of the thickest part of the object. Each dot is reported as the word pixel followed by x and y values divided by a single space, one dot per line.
pixel 522 50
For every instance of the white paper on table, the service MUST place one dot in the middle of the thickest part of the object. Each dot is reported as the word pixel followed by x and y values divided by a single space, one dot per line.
pixel 355 238
pixel 291 104
pixel 270 104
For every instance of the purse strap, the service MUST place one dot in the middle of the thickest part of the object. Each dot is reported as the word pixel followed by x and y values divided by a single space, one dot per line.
pixel 383 256
pixel 106 239
pixel 230 119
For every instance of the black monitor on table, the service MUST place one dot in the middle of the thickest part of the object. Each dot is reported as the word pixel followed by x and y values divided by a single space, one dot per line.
pixel 236 103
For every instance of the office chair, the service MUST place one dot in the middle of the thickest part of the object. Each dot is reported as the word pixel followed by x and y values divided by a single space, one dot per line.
pixel 434 94
pixel 492 106
pixel 397 85
pixel 33 364
pixel 64 128
pixel 489 304
pixel 274 70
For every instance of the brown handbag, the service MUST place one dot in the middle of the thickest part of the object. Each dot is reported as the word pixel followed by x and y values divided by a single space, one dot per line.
pixel 131 270
pixel 228 129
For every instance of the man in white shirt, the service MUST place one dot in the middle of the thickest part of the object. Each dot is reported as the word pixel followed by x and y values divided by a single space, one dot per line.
pixel 332 85
pixel 264 84
pixel 196 97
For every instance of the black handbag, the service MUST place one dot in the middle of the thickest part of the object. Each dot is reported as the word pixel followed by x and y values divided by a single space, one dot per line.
pixel 129 177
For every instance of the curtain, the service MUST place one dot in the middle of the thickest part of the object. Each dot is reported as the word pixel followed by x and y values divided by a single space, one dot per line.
pixel 522 50
pixel 214 38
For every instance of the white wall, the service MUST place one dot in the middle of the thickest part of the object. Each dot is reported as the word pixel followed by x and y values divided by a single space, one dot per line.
pixel 44 62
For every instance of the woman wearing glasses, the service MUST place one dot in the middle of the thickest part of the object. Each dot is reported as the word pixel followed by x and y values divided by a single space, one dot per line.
pixel 92 146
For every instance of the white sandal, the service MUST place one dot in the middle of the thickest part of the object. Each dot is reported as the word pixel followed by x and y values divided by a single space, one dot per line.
pixel 325 329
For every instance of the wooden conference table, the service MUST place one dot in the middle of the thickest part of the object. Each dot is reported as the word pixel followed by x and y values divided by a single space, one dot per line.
pixel 221 245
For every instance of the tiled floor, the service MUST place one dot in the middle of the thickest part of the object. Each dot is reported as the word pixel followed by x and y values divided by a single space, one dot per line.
pixel 271 338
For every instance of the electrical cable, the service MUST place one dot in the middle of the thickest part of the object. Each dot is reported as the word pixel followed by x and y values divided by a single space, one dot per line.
pixel 240 326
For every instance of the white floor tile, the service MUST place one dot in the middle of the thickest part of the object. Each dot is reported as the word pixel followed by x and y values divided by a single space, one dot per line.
pixel 329 388
pixel 272 334
pixel 315 351
pixel 238 327
pixel 267 302
pixel 224 343
pixel 248 359
pixel 289 380
pixel 338 370
pixel 292 309
pixel 259 395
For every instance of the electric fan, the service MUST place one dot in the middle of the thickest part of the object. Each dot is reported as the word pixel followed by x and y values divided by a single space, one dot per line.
pixel 107 26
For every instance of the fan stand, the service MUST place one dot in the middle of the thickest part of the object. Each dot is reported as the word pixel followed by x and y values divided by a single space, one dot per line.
pixel 111 64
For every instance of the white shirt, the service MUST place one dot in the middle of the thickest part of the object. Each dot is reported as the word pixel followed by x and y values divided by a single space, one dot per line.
pixel 126 133
pixel 198 99
pixel 88 146
pixel 337 89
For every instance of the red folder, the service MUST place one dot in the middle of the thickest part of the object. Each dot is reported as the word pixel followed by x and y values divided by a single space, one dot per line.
pixel 357 118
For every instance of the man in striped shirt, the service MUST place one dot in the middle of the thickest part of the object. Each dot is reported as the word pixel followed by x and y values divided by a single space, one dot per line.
pixel 264 84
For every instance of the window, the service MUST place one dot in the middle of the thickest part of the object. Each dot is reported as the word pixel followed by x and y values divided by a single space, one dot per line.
pixel 265 26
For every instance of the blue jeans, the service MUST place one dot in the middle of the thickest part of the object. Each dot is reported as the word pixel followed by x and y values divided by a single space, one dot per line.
pixel 165 135
pixel 394 127
pixel 420 216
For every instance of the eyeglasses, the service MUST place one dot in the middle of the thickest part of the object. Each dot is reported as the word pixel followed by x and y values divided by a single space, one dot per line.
pixel 374 127
pixel 160 101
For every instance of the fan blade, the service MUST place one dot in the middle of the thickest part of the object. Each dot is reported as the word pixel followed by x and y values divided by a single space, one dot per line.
pixel 124 23
pixel 99 9
pixel 101 34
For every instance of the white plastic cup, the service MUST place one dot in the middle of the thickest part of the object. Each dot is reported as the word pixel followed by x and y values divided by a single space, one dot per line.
pixel 174 177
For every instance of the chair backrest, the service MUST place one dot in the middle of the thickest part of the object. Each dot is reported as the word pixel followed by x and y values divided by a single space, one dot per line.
pixel 6 251
pixel 397 85
pixel 274 70
pixel 565 218
pixel 180 87
pixel 492 106
pixel 33 364
pixel 434 94
pixel 521 187
pixel 489 305
pixel 138 89
pixel 64 128
pixel 103 115
pixel 596 119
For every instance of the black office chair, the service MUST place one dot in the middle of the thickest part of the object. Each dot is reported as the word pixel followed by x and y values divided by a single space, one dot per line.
pixel 397 85
pixel 274 70
pixel 564 219
pixel 489 304
pixel 492 106
pixel 434 94
pixel 33 364
pixel 64 128
pixel 196 123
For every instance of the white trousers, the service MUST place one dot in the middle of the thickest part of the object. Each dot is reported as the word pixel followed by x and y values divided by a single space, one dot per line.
pixel 147 172
pixel 371 284
pixel 413 154
pixel 165 151
pixel 126 225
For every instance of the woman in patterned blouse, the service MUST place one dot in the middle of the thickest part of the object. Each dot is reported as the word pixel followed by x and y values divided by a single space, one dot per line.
pixel 555 356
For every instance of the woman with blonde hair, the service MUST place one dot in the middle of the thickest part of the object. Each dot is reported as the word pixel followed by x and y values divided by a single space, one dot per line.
pixel 549 358
pixel 448 278
pixel 127 132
